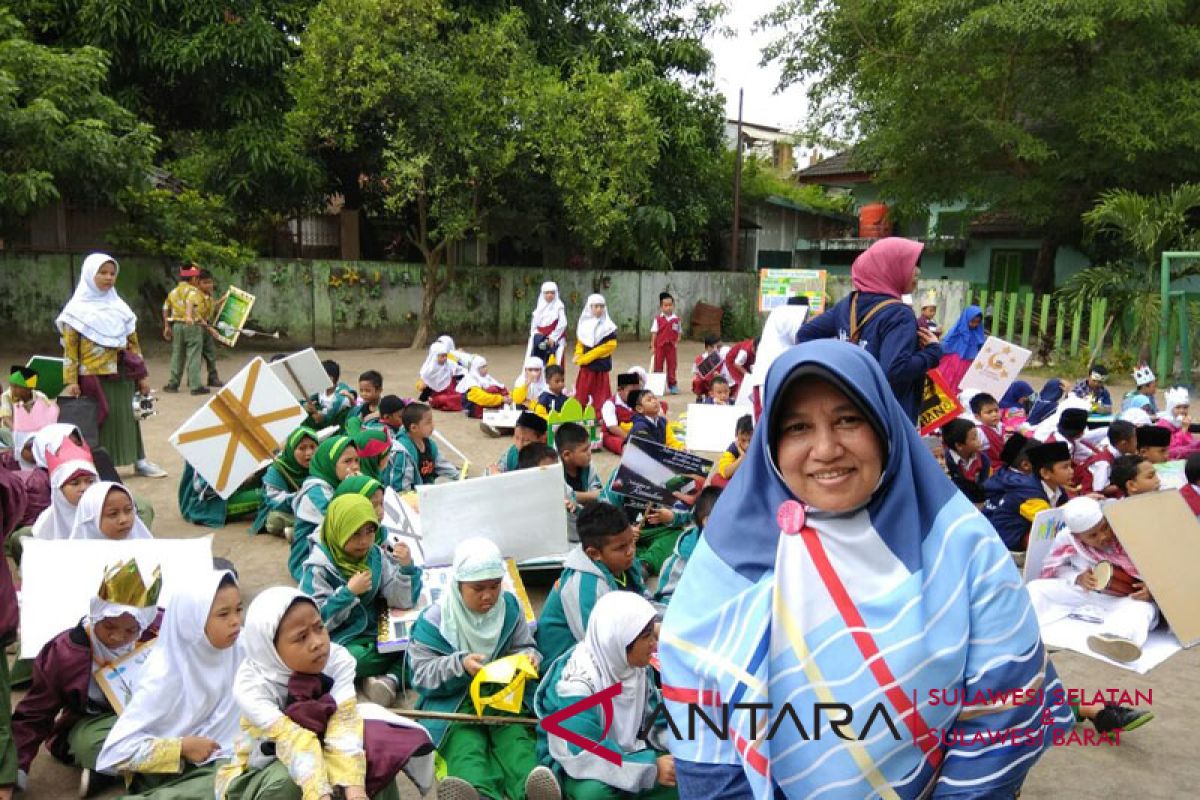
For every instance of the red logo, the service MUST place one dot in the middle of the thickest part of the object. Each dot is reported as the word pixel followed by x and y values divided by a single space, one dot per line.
pixel 603 698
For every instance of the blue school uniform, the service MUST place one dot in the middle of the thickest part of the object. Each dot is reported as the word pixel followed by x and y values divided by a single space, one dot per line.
pixel 552 402
pixel 1012 512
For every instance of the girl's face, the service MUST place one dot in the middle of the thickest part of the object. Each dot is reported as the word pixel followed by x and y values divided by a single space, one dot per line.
pixel 975 322
pixel 1182 411
pixel 302 640
pixel 224 617
pixel 347 464
pixel 639 652
pixel 483 370
pixel 442 358
pixel 549 296
pixel 74 488
pixel 480 596
pixel 597 310
pixel 117 514
pixel 827 451
pixel 117 632
pixel 358 545
pixel 533 376
pixel 304 452
pixel 106 276
pixel 929 312
pixel 377 503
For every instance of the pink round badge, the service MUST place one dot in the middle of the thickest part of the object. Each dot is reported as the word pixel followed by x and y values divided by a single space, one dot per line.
pixel 791 517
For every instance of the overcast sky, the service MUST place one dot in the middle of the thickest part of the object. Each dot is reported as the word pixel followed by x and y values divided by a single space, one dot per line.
pixel 737 67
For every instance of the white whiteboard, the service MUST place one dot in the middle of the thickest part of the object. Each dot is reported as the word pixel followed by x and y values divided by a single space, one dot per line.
pixel 711 429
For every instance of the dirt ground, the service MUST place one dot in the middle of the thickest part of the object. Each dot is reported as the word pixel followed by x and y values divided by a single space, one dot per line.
pixel 1157 761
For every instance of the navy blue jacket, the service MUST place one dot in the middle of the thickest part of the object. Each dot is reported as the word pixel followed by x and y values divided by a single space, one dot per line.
pixel 890 336
pixel 653 429
pixel 1005 512
pixel 973 489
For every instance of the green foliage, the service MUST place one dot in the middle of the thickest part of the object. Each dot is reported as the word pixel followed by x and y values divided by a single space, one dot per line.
pixel 186 227
pixel 761 180
pixel 60 134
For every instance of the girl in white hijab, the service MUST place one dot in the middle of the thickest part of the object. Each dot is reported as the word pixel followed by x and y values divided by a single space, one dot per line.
pixel 778 334
pixel 437 379
pixel 183 717
pixel 530 384
pixel 480 390
pixel 72 473
pixel 99 314
pixel 548 327
pixel 617 648
pixel 107 511
pixel 596 340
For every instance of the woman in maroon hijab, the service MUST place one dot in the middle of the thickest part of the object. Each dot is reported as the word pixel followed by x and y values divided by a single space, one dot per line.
pixel 12 510
pixel 876 318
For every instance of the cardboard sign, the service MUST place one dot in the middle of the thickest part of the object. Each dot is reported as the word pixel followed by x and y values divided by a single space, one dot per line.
pixel 712 428
pixel 572 411
pixel 1046 525
pixel 522 512
pixel 657 382
pixel 302 374
pixel 504 417
pixel 654 473
pixel 242 426
pixel 233 311
pixel 1162 536
pixel 60 577
pixel 996 367
pixel 119 679
pixel 775 286
pixel 938 406
pixel 50 374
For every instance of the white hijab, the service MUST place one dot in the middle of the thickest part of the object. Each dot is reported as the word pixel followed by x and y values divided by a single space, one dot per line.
pixel 778 334
pixel 538 386
pixel 437 376
pixel 591 329
pixel 473 379
pixel 100 610
pixel 58 520
pixel 102 317
pixel 47 441
pixel 186 686
pixel 548 312
pixel 600 661
pixel 474 560
pixel 87 514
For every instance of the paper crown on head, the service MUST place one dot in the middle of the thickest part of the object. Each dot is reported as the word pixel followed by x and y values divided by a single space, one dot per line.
pixel 68 451
pixel 1176 396
pixel 1143 375
pixel 124 586
pixel 39 415
pixel 510 672
pixel 24 377
pixel 928 298
pixel 189 271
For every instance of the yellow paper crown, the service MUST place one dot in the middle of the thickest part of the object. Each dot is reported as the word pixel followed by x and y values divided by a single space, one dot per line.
pixel 511 672
pixel 123 585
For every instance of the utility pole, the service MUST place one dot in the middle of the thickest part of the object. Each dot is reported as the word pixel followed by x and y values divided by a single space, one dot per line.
pixel 737 187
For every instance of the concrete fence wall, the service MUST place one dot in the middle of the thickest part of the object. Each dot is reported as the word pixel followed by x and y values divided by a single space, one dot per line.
pixel 348 304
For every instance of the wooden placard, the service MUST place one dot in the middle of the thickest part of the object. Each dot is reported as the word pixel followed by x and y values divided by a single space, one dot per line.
pixel 231 315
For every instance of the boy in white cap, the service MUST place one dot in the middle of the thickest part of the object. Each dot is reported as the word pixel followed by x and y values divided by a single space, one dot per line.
pixel 927 315
pixel 1143 396
pixel 1070 580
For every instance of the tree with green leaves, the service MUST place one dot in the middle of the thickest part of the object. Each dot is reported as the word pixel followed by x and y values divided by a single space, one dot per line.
pixel 60 134
pixel 1017 106
pixel 438 114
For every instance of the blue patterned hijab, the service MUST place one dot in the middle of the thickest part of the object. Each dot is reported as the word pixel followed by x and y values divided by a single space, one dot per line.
pixel 876 607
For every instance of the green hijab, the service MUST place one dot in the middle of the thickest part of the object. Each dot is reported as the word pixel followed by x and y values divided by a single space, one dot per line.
pixel 371 440
pixel 343 518
pixel 365 486
pixel 286 461
pixel 324 461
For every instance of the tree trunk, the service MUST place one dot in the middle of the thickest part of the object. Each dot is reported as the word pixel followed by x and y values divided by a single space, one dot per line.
pixel 1043 272
pixel 432 285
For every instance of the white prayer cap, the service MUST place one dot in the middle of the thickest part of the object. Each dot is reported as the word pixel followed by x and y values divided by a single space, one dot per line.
pixel 1176 396
pixel 1082 514
pixel 1137 416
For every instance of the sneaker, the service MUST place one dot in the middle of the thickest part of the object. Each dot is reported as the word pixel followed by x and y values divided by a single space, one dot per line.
pixel 200 390
pixel 452 788
pixel 171 388
pixel 1112 718
pixel 673 390
pixel 85 782
pixel 216 383
pixel 490 430
pixel 381 690
pixel 148 469
pixel 542 785
pixel 1114 647
pixel 289 533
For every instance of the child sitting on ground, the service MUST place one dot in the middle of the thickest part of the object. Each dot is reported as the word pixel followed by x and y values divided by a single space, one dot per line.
pixel 474 623
pixel 733 456
pixel 706 367
pixel 1178 421
pixel 22 392
pixel 334 460
pixel 106 511
pixel 986 411
pixel 374 446
pixel 537 454
pixel 648 423
pixel 620 641
pixel 530 385
pixel 574 448
pixel 1013 466
pixel 1143 396
pixel 72 473
pixel 719 393
pixel 616 415
pixel 370 390
pixel 1154 443
pixel 331 407
pixel 529 428
pixel 1092 475
pixel 1093 390
pixel 966 464
pixel 416 460
pixel 672 569
pixel 391 414
pixel 1012 511
pixel 283 480
pixel 602 562
pixel 480 391
pixel 554 397
pixel 353 581
pixel 295 691
pixel 64 707
pixel 438 376
pixel 1132 475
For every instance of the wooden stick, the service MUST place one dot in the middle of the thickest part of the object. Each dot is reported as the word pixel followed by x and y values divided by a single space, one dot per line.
pixel 450 716
pixel 446 442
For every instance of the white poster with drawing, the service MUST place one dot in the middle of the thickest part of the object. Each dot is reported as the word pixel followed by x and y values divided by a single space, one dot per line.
pixel 996 367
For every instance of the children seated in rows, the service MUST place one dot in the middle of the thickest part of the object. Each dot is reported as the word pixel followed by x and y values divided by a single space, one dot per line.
pixel 530 385
pixel 182 719
pixel 986 411
pixel 602 562
pixel 1177 419
pixel 334 460
pixel 620 641
pixel 735 454
pixel 707 367
pixel 1133 474
pixel 648 421
pixel 966 463
pixel 352 579
pixel 529 428
pixel 303 733
pixel 1154 443
pixel 282 481
pixel 616 414
pixel 672 569
pixel 474 623
pixel 1143 396
pixel 331 407
pixel 480 391
pixel 416 459
pixel 65 707
pixel 438 379
pixel 370 392
pixel 1011 512
pixel 1093 390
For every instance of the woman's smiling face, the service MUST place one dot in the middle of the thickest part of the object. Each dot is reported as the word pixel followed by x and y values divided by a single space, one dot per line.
pixel 827 452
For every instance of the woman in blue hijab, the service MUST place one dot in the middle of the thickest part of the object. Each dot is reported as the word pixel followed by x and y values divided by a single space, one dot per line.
pixel 841 566
pixel 961 345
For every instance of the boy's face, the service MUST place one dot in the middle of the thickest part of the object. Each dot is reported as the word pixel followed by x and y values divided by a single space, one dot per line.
pixel 1156 455
pixel 1127 447
pixel 207 285
pixel 424 428
pixel 20 393
pixel 1146 480
pixel 714 348
pixel 720 393
pixel 302 640
pixel 523 436
pixel 929 312
pixel 369 392
pixel 623 392
pixel 1023 465
pixel 1100 537
pixel 1149 389
pixel 971 445
pixel 1058 474
pixel 577 457
pixel 394 420
pixel 1094 385
pixel 117 632
pixel 117 514
pixel 990 415
pixel 617 553
pixel 743 441
pixel 648 404
pixel 556 383
pixel 667 306
pixel 480 596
